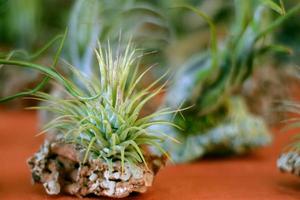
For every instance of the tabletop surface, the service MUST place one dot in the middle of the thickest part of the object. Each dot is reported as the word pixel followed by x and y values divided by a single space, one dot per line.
pixel 254 176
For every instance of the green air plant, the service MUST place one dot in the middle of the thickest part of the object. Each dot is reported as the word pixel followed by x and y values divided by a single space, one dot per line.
pixel 101 141
pixel 289 160
pixel 218 121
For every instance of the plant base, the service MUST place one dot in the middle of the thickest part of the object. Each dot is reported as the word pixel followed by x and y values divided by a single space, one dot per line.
pixel 57 166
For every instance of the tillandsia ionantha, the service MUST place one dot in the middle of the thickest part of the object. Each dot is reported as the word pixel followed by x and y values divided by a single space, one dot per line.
pixel 289 160
pixel 101 145
pixel 218 121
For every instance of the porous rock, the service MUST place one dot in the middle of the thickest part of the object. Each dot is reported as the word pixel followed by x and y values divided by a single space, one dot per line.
pixel 58 167
pixel 289 162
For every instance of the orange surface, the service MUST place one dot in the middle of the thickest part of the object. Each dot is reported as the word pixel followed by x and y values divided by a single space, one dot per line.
pixel 252 177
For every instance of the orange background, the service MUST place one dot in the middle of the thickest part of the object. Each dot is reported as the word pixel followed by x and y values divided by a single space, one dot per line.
pixel 254 176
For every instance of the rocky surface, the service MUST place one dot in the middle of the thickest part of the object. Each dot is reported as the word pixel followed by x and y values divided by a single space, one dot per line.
pixel 289 162
pixel 57 166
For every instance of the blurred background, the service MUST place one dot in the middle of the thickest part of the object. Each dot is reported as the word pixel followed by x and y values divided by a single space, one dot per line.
pixel 168 35
pixel 173 39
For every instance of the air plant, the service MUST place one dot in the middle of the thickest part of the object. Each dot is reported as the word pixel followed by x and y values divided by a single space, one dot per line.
pixel 289 160
pixel 101 141
pixel 94 20
pixel 209 84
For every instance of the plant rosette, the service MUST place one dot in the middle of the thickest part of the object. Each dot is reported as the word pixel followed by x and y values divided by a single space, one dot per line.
pixel 289 160
pixel 97 142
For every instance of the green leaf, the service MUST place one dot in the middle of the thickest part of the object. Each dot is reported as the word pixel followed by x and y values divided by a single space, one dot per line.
pixel 271 4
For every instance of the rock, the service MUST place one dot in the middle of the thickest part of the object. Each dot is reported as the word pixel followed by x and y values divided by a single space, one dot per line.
pixel 289 162
pixel 109 186
pixel 126 174
pixel 94 186
pixel 148 179
pixel 123 189
pixel 93 177
pixel 112 176
pixel 137 172
pixel 52 187
pixel 72 188
pixel 57 166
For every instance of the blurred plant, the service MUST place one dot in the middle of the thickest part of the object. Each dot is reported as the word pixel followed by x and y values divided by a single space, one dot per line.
pixel 288 35
pixel 20 24
pixel 25 56
pixel 273 83
pixel 22 21
pixel 151 25
pixel 289 160
pixel 186 23
pixel 209 82
pixel 19 21
pixel 106 20
pixel 267 87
